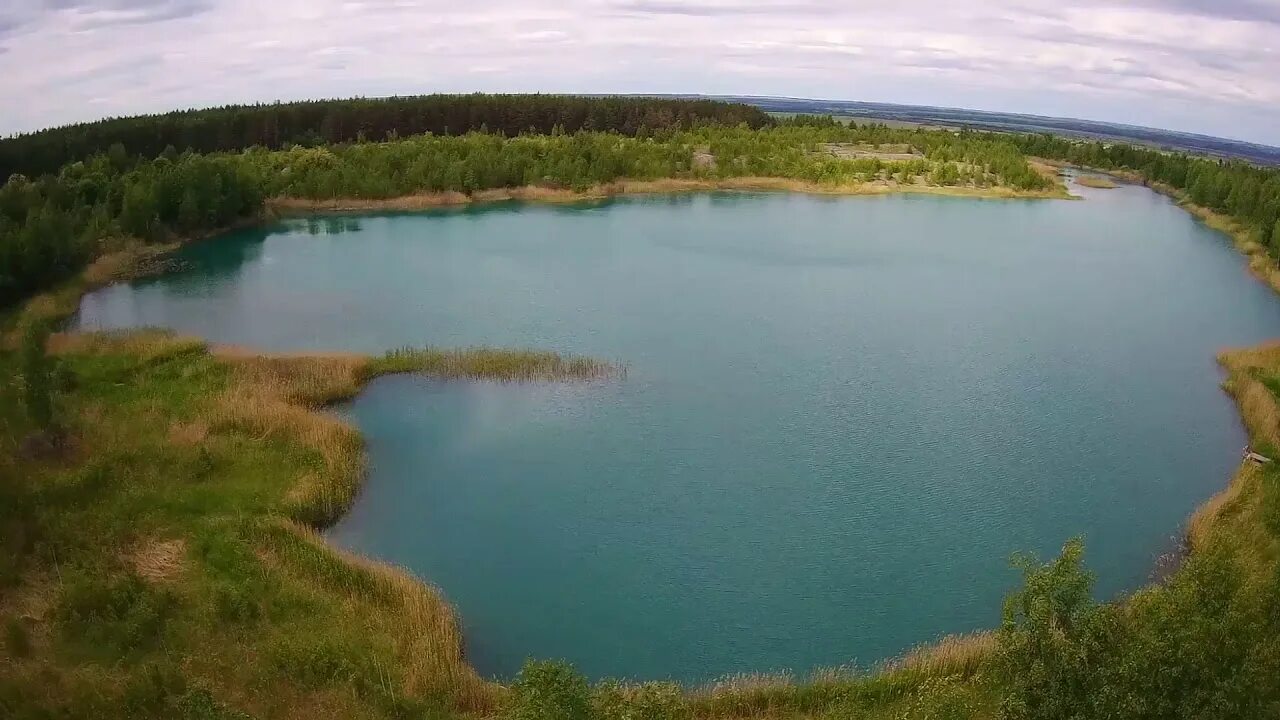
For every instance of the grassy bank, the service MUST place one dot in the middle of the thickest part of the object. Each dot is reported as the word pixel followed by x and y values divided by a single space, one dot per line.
pixel 162 556
pixel 533 193
pixel 161 549
pixel 1247 240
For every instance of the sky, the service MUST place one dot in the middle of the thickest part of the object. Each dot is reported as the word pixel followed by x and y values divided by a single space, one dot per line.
pixel 1208 66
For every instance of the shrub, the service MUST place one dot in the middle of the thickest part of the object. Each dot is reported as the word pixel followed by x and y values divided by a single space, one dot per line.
pixel 550 690
pixel 1052 638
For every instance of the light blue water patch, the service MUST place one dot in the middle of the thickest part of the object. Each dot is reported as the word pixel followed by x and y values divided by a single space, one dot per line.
pixel 841 416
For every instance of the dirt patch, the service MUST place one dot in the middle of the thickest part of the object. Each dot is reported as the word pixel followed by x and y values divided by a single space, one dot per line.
pixel 703 159
pixel 640 187
pixel 854 151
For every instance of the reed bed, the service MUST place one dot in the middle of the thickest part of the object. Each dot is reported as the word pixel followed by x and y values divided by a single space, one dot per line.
pixel 1253 380
pixel 836 691
pixel 284 399
pixel 423 626
pixel 601 191
pixel 492 364
pixel 147 346
pixel 954 655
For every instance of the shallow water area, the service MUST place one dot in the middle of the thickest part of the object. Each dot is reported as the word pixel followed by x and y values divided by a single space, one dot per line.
pixel 840 416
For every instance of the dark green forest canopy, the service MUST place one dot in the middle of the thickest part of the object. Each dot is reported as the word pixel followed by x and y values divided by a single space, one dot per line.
pixel 319 122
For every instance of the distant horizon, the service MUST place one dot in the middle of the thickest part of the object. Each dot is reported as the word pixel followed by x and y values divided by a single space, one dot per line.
pixel 1206 67
pixel 722 97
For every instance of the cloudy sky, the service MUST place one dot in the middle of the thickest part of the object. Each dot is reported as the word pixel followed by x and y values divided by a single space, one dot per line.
pixel 1210 66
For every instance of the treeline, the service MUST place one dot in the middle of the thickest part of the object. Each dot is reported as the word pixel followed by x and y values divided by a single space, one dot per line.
pixel 52 224
pixel 799 148
pixel 481 161
pixel 50 227
pixel 1248 193
pixel 327 122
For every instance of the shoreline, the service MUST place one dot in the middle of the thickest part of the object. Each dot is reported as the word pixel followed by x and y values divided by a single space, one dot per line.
pixel 666 186
pixel 116 267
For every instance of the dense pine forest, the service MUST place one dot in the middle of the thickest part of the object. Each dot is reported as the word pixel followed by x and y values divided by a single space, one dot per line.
pixel 328 122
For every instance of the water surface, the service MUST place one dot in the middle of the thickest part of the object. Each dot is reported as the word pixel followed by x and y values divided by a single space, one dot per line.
pixel 840 419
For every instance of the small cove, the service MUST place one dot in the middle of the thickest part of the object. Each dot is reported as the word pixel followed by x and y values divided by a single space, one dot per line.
pixel 841 415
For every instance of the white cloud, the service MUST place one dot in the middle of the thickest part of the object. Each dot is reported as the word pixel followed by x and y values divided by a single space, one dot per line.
pixel 1200 65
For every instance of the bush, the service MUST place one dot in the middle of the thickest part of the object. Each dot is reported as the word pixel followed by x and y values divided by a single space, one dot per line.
pixel 1207 645
pixel 1052 640
pixel 550 690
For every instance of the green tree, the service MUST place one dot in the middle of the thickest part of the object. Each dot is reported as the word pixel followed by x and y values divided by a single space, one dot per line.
pixel 189 214
pixel 1053 638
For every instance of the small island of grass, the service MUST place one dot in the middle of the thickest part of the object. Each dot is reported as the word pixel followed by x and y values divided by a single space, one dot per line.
pixel 1096 181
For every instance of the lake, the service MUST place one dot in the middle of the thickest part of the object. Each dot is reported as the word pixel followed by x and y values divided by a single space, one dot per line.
pixel 840 418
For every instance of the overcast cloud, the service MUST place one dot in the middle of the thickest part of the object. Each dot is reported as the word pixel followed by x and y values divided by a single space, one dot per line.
pixel 1197 65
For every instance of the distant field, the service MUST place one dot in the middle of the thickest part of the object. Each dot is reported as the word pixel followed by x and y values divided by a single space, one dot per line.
pixel 896 124
pixel 938 117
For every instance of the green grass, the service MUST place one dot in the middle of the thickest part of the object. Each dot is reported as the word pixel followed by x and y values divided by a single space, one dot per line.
pixel 163 560
pixel 144 544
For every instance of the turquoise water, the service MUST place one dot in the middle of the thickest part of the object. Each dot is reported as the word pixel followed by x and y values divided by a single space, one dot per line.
pixel 841 416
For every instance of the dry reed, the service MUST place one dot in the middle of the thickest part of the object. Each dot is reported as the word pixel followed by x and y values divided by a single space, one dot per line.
pixel 426 630
pixel 533 193
pixel 953 655
pixel 1095 181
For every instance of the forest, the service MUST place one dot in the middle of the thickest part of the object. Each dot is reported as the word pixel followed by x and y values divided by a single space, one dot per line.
pixel 1250 194
pixel 52 224
pixel 327 122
